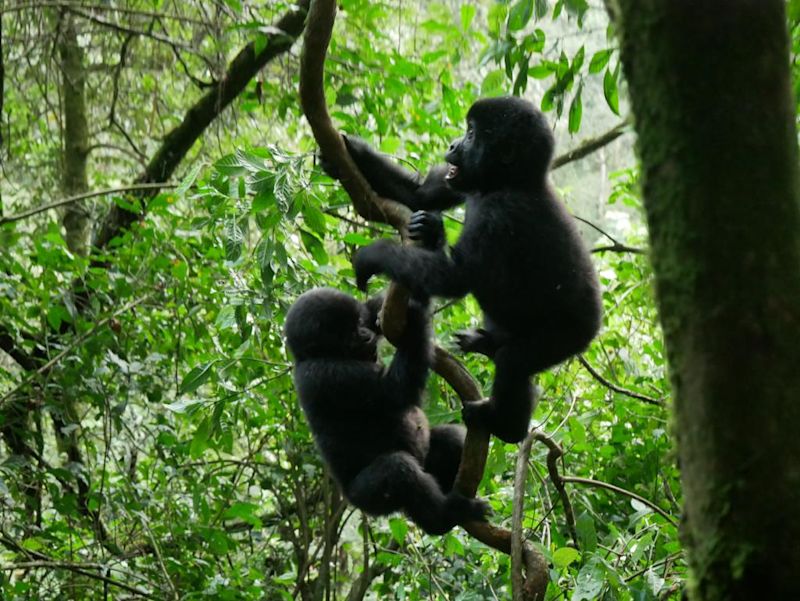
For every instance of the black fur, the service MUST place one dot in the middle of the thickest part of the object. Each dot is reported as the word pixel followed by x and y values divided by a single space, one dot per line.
pixel 366 419
pixel 519 252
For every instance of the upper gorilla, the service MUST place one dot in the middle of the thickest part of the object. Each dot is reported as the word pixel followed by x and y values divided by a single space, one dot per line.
pixel 519 252
pixel 366 419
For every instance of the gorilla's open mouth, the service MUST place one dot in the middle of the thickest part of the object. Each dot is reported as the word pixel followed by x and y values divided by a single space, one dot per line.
pixel 452 171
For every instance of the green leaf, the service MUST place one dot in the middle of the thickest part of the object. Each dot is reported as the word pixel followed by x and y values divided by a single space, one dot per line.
pixel 590 581
pixel 565 556
pixel 587 536
pixel 234 237
pixel 314 218
pixel 542 71
pixel 264 252
pixel 284 190
pixel 356 239
pixel 226 318
pixel 57 314
pixel 452 545
pixel 600 60
pixel 200 439
pixel 467 14
pixel 245 512
pixel 610 89
pixel 494 83
pixel 189 179
pixel 575 112
pixel 520 14
pixel 577 60
pixel 196 377
pixel 577 430
pixel 496 17
pixel 314 246
pixel 183 405
pixel 399 529
pixel 229 165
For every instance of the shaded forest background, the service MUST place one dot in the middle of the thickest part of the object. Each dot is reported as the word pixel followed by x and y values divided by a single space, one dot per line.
pixel 160 209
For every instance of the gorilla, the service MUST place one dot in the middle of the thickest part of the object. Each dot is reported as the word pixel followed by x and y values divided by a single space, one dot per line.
pixel 366 418
pixel 519 252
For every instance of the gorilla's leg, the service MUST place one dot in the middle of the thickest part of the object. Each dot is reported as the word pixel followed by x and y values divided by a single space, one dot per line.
pixel 396 481
pixel 507 413
pixel 444 455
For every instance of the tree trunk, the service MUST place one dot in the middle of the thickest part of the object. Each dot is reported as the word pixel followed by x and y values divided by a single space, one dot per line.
pixel 711 93
pixel 76 135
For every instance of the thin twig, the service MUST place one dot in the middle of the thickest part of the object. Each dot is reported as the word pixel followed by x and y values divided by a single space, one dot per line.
pixel 84 196
pixel 622 491
pixel 518 509
pixel 619 248
pixel 591 145
pixel 619 389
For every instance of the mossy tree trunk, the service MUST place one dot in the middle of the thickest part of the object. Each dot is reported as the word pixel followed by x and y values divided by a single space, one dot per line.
pixel 710 88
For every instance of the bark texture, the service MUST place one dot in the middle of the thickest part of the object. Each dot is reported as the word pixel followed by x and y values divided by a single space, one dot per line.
pixel 710 88
pixel 75 217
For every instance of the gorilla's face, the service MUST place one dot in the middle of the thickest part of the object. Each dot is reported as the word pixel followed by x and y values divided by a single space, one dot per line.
pixel 507 144
pixel 465 159
pixel 328 324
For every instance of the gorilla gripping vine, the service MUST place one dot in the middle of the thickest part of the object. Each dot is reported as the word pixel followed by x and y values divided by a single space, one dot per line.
pixel 372 207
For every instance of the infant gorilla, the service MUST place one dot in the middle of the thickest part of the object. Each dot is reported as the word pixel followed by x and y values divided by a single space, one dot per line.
pixel 366 418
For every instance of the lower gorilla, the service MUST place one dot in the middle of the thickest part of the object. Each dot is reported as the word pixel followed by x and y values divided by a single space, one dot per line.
pixel 366 418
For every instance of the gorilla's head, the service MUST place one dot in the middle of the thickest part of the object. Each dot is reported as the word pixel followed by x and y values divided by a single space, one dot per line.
pixel 508 144
pixel 327 323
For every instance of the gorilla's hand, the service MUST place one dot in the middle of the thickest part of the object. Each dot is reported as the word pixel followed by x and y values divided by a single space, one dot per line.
pixel 478 414
pixel 477 341
pixel 369 261
pixel 466 509
pixel 427 228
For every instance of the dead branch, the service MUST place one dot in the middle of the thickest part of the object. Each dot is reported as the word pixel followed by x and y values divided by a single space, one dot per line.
pixel 371 207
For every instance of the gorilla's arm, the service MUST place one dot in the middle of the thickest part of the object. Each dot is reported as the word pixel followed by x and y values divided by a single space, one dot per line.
pixel 424 272
pixel 392 181
pixel 405 377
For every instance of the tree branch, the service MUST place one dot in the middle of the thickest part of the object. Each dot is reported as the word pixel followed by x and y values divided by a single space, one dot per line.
pixel 591 145
pixel 179 141
pixel 84 196
pixel 611 386
pixel 554 453
pixel 622 491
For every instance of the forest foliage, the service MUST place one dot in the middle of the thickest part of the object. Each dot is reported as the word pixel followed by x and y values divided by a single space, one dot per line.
pixel 152 444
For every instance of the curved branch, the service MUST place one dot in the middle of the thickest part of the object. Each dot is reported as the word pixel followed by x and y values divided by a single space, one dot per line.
pixel 619 389
pixel 622 491
pixel 369 205
pixel 372 207
pixel 554 453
